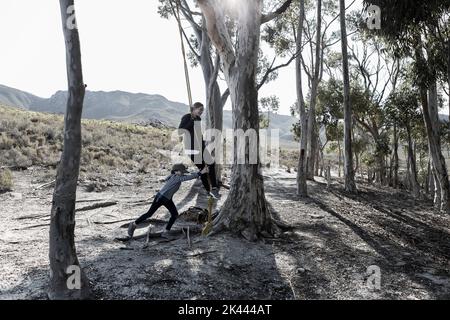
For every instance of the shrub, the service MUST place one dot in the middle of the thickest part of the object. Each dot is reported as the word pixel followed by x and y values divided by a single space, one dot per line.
pixel 6 180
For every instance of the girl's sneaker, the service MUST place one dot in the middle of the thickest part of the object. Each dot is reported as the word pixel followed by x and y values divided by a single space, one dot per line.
pixel 131 229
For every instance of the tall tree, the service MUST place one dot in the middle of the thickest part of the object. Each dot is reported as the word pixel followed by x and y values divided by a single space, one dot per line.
pixel 349 174
pixel 402 108
pixel 302 189
pixel 315 80
pixel 410 27
pixel 245 211
pixel 62 251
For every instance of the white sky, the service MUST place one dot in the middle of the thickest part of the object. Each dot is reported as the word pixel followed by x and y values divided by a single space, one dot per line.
pixel 125 46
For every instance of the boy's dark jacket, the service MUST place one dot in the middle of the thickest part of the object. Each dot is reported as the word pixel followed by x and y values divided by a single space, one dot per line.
pixel 193 126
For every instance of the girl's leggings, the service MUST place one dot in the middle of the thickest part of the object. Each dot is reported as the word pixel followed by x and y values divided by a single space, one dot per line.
pixel 157 203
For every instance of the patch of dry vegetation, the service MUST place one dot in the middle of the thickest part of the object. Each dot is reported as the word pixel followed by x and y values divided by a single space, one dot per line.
pixel 6 180
pixel 36 139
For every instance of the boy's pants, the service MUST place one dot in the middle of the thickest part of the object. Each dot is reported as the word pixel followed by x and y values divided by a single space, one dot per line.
pixel 157 203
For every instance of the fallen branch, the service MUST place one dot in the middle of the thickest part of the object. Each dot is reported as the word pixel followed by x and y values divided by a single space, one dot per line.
pixel 33 226
pixel 153 235
pixel 145 223
pixel 200 253
pixel 14 168
pixel 97 206
pixel 48 184
pixel 33 216
pixel 90 200
pixel 112 222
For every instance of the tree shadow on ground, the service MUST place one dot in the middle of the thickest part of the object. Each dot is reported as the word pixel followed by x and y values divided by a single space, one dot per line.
pixel 405 247
pixel 220 267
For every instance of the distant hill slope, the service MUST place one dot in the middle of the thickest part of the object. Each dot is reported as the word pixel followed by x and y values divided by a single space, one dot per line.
pixel 125 107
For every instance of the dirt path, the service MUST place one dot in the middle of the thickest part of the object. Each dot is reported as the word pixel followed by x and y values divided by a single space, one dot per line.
pixel 334 251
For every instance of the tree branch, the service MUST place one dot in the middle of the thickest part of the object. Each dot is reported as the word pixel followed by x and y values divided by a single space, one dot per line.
pixel 224 97
pixel 270 16
pixel 218 31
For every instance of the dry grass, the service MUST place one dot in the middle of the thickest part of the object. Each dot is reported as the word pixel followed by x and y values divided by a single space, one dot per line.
pixel 36 139
pixel 6 180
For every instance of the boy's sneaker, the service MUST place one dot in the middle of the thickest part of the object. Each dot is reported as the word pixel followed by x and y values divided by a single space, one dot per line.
pixel 214 193
pixel 131 228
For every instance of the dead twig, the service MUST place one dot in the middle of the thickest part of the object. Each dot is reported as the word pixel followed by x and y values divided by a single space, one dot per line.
pixel 33 216
pixel 111 222
pixel 97 206
pixel 200 253
pixel 90 200
pixel 48 184
pixel 33 227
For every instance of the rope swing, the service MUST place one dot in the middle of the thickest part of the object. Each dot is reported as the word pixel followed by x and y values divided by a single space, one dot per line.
pixel 183 52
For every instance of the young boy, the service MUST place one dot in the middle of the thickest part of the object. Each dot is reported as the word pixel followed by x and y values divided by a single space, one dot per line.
pixel 164 197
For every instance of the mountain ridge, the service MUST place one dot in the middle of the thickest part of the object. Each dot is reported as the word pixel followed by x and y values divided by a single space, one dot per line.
pixel 125 106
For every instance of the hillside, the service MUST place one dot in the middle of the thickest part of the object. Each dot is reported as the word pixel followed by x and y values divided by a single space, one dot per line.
pixel 34 139
pixel 126 107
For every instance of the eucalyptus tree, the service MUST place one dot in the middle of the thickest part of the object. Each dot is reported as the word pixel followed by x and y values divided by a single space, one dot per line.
pixel 410 28
pixel 245 211
pixel 349 173
pixel 67 279
pixel 403 108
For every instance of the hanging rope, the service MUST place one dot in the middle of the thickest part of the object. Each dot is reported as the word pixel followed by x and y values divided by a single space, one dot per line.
pixel 183 52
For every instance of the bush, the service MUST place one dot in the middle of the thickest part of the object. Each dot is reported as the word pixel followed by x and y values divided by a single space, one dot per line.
pixel 6 180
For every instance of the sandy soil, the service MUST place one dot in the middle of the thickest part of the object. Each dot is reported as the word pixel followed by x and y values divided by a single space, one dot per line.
pixel 335 238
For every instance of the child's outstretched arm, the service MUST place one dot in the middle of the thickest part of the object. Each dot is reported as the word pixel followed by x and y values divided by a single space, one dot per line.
pixel 193 175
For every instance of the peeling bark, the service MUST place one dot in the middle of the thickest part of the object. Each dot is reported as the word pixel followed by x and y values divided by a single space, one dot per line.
pixel 245 211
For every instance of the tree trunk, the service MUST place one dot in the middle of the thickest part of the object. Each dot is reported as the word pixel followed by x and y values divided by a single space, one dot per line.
pixel 62 251
pixel 412 165
pixel 317 157
pixel 357 165
pixel 381 170
pixel 431 118
pixel 302 169
pixel 339 158
pixel 396 164
pixel 312 140
pixel 349 174
pixel 433 188
pixel 245 211
pixel 448 80
pixel 322 163
pixel 437 192
pixel 215 101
